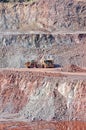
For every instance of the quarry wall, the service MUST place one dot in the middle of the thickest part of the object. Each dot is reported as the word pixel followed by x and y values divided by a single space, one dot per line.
pixel 36 96
pixel 43 15
pixel 65 49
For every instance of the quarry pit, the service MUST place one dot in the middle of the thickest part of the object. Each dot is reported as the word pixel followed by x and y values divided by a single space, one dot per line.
pixel 43 98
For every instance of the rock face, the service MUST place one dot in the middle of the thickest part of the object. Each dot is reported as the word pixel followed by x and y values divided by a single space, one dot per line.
pixel 43 15
pixel 36 96
pixel 65 49
pixel 25 32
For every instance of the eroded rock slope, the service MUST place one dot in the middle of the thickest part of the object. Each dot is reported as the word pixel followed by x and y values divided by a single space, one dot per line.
pixel 27 95
pixel 43 15
pixel 64 49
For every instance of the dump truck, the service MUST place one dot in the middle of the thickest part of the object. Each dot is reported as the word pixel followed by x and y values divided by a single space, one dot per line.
pixel 32 64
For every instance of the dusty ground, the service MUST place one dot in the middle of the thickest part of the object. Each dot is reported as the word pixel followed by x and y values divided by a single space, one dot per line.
pixel 48 71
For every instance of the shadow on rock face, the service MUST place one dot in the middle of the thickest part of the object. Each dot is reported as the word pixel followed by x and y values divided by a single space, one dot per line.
pixel 57 65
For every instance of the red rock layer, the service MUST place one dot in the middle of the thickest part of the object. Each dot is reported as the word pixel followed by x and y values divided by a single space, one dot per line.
pixel 43 125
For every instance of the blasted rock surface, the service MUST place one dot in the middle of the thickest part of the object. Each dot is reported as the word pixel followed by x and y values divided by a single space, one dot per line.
pixel 64 49
pixel 43 15
pixel 32 96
